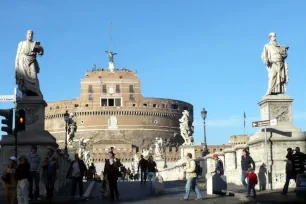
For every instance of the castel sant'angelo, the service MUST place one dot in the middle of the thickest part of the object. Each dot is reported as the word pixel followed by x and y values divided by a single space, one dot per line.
pixel 111 111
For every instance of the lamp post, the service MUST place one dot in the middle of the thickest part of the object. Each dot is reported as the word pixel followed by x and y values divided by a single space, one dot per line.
pixel 165 145
pixel 204 114
pixel 66 118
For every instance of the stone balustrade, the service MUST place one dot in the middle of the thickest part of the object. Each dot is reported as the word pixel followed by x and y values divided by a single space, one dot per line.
pixel 174 173
pixel 231 158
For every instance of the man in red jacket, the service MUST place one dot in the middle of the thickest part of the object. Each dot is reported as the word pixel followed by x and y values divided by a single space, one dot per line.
pixel 252 181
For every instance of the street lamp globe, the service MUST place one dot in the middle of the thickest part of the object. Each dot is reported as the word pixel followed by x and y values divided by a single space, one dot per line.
pixel 204 113
pixel 66 116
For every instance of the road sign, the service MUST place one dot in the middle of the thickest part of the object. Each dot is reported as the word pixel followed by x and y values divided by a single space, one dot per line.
pixel 264 123
pixel 7 98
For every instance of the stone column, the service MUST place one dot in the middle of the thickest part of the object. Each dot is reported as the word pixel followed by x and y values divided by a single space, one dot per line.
pixel 230 164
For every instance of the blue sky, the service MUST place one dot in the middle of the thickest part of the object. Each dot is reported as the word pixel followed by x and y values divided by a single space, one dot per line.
pixel 204 52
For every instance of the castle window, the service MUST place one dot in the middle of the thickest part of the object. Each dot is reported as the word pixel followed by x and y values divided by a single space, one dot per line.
pixel 120 77
pixel 131 89
pixel 90 90
pixel 57 107
pixel 132 98
pixel 110 102
pixel 90 97
pixel 117 88
pixel 145 105
pixel 76 105
pixel 50 108
pixel 104 102
pixel 174 106
pixel 163 105
pixel 104 89
pixel 118 102
pixel 134 105
pixel 154 105
pixel 86 105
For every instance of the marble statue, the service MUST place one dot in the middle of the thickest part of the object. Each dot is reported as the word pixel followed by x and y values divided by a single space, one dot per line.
pixel 186 130
pixel 158 147
pixel 111 56
pixel 72 128
pixel 274 57
pixel 87 158
pixel 81 147
pixel 136 161
pixel 26 66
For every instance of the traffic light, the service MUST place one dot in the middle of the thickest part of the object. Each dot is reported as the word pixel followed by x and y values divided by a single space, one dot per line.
pixel 8 121
pixel 20 120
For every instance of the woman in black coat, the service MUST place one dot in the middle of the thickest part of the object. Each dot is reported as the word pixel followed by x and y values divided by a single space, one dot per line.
pixel 111 171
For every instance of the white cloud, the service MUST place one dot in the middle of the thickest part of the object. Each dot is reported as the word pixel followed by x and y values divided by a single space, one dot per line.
pixel 233 121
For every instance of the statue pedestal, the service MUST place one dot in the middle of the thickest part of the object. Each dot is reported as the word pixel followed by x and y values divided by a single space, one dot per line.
pixel 33 135
pixel 111 66
pixel 184 149
pixel 279 138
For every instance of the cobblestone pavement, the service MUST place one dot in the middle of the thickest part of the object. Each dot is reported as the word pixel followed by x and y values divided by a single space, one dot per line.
pixel 136 193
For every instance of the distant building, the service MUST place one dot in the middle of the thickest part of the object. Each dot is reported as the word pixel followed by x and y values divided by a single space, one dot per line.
pixel 112 110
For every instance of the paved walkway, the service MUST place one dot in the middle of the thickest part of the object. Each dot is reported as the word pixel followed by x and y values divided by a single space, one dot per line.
pixel 136 193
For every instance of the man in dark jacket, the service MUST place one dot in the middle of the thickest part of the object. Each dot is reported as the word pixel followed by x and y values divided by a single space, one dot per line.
pixel 299 162
pixel 246 161
pixel 76 172
pixel 289 170
pixel 50 166
pixel 142 164
pixel 111 170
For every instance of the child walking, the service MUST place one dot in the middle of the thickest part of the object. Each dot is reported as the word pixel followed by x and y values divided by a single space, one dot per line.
pixel 252 181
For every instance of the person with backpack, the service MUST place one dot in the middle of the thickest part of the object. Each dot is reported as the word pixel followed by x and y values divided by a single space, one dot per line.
pixel 246 161
pixel 252 181
pixel 191 176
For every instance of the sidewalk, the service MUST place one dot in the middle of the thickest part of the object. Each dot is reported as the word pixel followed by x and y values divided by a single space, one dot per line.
pixel 264 197
pixel 64 197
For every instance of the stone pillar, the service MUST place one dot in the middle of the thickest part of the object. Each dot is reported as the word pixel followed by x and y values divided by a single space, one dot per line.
pixel 230 164
pixel 210 168
pixel 279 138
pixel 184 150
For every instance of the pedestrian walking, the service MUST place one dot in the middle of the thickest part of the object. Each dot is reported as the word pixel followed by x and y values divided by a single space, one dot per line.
pixel 49 175
pixel 246 161
pixel 252 181
pixel 76 172
pixel 22 176
pixel 289 170
pixel 35 165
pixel 111 170
pixel 299 162
pixel 142 165
pixel 191 176
pixel 10 182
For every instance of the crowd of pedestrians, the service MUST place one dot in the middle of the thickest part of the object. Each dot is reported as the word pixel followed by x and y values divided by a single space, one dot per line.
pixel 25 172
